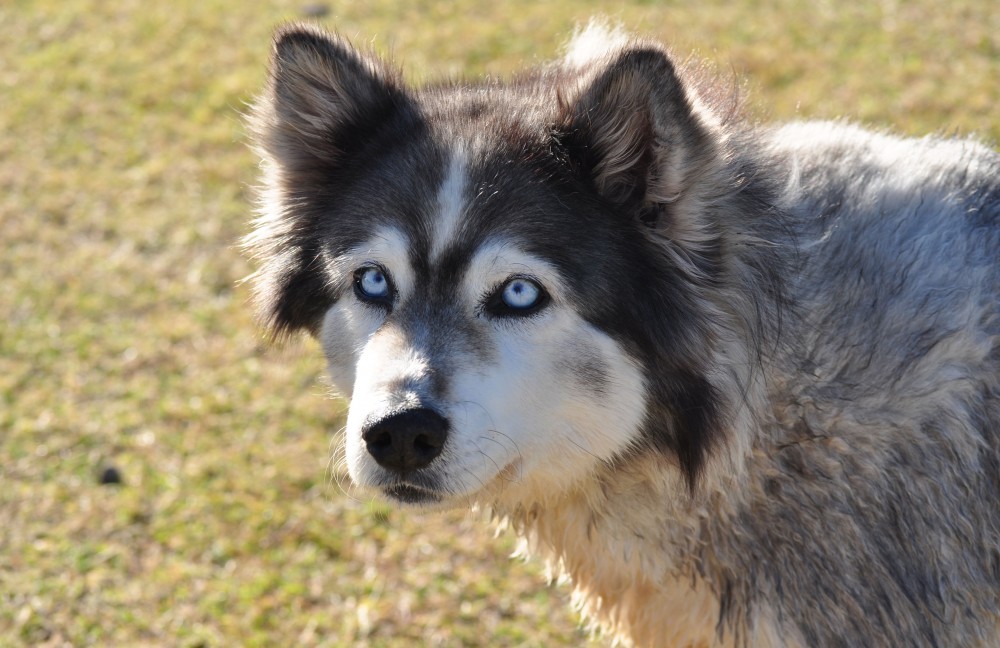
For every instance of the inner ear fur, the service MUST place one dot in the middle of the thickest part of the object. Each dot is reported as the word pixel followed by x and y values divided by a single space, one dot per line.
pixel 633 127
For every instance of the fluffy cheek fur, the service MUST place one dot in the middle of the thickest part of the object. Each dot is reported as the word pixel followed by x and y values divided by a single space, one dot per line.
pixel 561 397
pixel 344 329
pixel 557 397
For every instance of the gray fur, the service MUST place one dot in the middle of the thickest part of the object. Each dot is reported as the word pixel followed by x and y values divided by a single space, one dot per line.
pixel 814 309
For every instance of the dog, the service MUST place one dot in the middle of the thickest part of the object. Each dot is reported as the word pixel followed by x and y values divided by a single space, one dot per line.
pixel 739 383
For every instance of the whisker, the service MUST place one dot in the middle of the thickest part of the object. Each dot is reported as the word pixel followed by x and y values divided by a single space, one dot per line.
pixel 586 451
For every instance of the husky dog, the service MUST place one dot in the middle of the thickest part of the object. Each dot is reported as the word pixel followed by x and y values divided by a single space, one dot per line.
pixel 740 384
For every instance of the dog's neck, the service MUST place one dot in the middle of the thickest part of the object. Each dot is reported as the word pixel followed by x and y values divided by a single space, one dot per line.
pixel 627 540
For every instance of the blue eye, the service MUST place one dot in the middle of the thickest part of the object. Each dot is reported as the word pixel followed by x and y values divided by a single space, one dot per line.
pixel 518 296
pixel 372 284
pixel 521 294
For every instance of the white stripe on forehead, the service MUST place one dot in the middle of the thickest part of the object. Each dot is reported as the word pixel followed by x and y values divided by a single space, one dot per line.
pixel 451 203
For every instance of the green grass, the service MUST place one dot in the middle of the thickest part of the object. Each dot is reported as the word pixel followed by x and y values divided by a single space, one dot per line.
pixel 126 341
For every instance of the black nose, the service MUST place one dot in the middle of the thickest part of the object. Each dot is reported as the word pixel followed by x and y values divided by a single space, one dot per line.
pixel 407 440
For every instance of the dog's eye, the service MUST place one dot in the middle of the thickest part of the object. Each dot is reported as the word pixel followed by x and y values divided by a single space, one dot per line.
pixel 371 284
pixel 517 296
pixel 521 293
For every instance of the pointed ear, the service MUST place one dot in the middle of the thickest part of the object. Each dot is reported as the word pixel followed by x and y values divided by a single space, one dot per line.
pixel 632 126
pixel 322 106
pixel 324 98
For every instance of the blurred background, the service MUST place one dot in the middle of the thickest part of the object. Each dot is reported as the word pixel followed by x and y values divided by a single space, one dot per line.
pixel 164 476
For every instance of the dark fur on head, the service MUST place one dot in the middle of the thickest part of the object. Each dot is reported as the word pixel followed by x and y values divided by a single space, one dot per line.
pixel 318 120
pixel 621 137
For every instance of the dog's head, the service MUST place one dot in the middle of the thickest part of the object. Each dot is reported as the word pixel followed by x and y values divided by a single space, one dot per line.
pixel 516 284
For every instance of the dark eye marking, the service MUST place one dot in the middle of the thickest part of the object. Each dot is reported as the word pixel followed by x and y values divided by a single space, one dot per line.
pixel 518 296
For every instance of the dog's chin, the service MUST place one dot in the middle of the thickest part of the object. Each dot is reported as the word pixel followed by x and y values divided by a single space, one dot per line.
pixel 427 495
pixel 410 496
pixel 407 495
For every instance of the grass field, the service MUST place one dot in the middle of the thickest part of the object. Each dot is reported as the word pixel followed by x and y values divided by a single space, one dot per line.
pixel 127 343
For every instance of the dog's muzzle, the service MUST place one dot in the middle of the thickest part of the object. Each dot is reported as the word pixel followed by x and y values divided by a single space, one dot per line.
pixel 407 440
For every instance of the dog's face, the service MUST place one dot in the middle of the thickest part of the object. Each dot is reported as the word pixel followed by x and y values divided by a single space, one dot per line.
pixel 493 271
pixel 465 347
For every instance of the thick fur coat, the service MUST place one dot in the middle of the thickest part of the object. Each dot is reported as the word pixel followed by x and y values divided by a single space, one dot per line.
pixel 740 384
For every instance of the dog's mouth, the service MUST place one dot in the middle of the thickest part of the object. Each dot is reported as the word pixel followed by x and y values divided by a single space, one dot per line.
pixel 416 489
pixel 409 494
